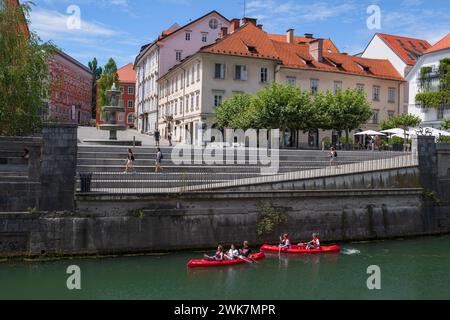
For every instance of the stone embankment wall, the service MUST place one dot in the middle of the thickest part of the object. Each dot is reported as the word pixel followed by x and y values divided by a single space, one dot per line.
pixel 118 224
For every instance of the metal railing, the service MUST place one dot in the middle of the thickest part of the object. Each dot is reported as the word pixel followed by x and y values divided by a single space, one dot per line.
pixel 181 182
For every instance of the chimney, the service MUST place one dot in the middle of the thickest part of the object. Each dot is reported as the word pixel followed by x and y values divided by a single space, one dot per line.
pixel 316 49
pixel 290 36
pixel 234 25
pixel 250 20
pixel 260 26
pixel 309 36
pixel 224 32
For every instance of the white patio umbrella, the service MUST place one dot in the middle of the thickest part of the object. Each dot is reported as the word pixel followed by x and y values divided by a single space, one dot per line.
pixel 395 131
pixel 370 133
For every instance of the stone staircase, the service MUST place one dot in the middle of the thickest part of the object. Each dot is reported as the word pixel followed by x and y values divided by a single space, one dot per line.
pixel 107 163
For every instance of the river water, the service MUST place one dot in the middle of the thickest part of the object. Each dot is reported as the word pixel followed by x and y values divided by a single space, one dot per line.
pixel 410 269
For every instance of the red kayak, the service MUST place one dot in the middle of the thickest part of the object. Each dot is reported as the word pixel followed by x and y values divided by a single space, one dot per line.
pixel 203 263
pixel 300 249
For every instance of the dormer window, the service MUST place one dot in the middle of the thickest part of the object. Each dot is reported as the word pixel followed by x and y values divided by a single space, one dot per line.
pixel 252 49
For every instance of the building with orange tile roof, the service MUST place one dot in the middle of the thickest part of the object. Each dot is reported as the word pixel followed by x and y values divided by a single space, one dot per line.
pixel 156 58
pixel 431 117
pixel 248 58
pixel 402 52
pixel 127 85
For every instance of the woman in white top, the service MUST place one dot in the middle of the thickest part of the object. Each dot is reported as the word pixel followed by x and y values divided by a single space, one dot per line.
pixel 233 253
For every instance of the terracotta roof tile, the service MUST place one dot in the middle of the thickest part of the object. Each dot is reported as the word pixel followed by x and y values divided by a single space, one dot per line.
pixel 442 44
pixel 127 74
pixel 408 49
pixel 251 41
pixel 328 44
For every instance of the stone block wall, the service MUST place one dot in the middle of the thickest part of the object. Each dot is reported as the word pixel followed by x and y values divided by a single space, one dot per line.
pixel 58 168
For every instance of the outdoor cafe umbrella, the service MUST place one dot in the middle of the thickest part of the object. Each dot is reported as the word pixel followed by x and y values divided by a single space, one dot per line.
pixel 396 131
pixel 369 133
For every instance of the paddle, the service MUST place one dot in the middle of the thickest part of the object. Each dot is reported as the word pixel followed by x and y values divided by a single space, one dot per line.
pixel 248 260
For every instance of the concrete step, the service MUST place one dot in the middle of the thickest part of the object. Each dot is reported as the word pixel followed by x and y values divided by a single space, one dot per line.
pixel 191 169
pixel 293 157
pixel 167 176
pixel 144 162
pixel 14 168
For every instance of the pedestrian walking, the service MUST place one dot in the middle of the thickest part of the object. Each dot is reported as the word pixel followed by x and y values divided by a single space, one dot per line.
pixel 130 161
pixel 157 137
pixel 159 157
pixel 169 137
pixel 333 156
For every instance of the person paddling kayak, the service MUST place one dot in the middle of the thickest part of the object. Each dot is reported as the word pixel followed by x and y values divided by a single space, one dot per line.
pixel 314 243
pixel 285 242
pixel 218 256
pixel 245 251
pixel 232 254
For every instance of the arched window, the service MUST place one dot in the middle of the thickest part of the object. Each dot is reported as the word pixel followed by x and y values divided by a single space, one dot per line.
pixel 130 118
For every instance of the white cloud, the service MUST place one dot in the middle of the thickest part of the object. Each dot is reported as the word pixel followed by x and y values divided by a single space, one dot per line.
pixel 52 24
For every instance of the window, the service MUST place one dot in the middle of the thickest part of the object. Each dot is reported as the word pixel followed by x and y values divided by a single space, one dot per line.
pixel 292 81
pixel 213 24
pixel 204 37
pixel 240 73
pixel 376 93
pixel 314 86
pixel 198 72
pixel 187 77
pixel 130 104
pixel 264 74
pixel 193 75
pixel 391 96
pixel 178 54
pixel 217 99
pixel 192 102
pixel 360 87
pixel 187 103
pixel 122 90
pixel 375 116
pixel 188 35
pixel 337 86
pixel 181 105
pixel 130 118
pixel 130 90
pixel 197 100
pixel 391 114
pixel 176 107
pixel 219 71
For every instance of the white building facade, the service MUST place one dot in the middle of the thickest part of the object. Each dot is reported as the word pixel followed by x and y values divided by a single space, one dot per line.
pixel 431 117
pixel 155 59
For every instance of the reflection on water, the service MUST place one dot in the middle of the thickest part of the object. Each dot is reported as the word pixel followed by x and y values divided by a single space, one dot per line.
pixel 411 269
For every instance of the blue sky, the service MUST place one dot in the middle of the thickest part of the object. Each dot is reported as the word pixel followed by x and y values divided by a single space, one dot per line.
pixel 118 28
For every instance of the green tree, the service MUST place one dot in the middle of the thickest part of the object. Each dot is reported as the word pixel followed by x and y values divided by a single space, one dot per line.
pixel 445 124
pixel 234 112
pixel 97 71
pixel 24 76
pixel 403 121
pixel 108 78
pixel 281 106
pixel 346 110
